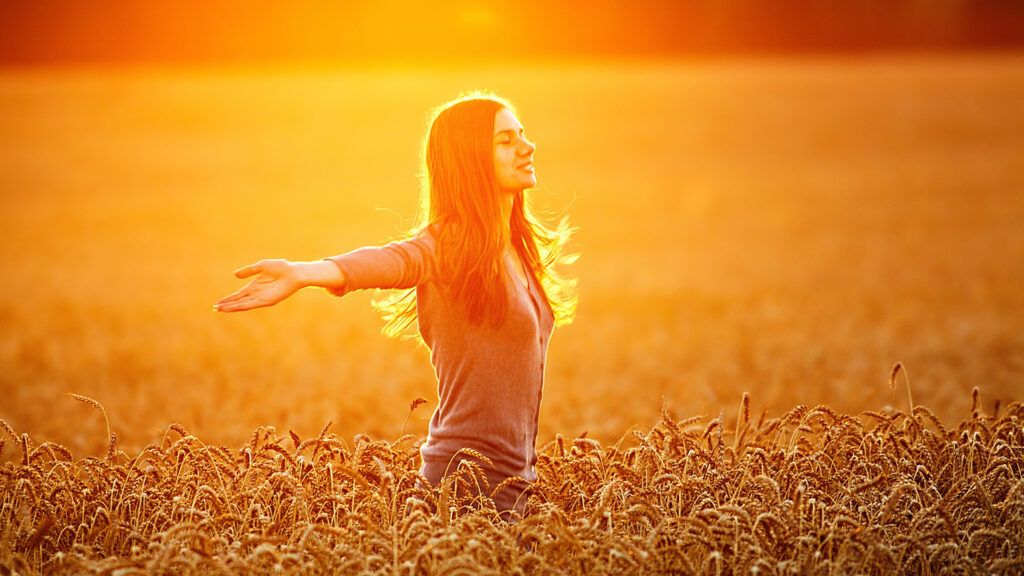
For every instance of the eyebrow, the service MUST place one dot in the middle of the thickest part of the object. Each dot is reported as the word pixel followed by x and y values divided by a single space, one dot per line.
pixel 511 131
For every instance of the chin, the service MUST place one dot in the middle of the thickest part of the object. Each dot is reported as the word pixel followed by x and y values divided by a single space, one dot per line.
pixel 520 185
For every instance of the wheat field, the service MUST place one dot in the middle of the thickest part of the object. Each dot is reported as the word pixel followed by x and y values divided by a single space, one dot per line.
pixel 789 229
pixel 811 492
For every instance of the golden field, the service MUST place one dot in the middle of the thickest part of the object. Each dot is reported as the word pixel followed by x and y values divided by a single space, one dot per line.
pixel 810 492
pixel 786 228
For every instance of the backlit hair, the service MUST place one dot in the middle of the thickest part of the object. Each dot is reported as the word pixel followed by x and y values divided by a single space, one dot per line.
pixel 460 203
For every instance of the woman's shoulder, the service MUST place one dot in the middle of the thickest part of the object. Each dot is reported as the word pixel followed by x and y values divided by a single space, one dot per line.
pixel 430 232
pixel 427 237
pixel 420 244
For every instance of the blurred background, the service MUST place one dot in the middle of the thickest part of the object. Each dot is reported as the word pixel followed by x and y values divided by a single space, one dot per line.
pixel 775 197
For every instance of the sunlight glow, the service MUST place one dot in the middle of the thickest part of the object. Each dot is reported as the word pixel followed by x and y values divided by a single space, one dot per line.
pixel 477 16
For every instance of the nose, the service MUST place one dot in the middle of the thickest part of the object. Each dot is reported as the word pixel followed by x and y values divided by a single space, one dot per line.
pixel 526 147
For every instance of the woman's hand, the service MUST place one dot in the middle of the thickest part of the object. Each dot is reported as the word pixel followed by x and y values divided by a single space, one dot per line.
pixel 277 279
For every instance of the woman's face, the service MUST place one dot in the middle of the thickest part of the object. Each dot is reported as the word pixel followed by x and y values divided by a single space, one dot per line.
pixel 513 153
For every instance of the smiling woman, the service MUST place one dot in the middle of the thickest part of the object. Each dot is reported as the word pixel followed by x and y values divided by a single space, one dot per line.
pixel 477 278
pixel 513 153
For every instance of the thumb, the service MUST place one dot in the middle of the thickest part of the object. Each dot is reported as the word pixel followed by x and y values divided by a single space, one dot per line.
pixel 246 271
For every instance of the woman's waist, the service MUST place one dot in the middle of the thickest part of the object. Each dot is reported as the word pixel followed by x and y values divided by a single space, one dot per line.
pixel 502 459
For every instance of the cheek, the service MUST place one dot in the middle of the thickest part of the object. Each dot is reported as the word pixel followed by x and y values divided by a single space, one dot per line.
pixel 503 160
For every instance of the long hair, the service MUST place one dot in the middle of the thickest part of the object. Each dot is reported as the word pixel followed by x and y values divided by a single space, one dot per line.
pixel 460 203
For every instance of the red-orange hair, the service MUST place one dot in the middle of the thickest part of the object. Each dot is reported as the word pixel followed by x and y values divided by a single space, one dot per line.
pixel 460 202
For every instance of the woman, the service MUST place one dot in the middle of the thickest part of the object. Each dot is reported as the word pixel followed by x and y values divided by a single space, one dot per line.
pixel 478 280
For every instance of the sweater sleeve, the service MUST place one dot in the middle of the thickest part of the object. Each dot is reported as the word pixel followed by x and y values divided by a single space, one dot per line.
pixel 402 264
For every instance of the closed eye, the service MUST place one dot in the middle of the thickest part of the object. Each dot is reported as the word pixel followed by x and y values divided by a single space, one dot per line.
pixel 508 136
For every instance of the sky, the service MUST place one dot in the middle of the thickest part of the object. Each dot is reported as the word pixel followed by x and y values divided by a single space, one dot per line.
pixel 43 32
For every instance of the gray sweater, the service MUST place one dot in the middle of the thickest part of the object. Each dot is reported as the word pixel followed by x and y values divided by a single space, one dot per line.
pixel 489 379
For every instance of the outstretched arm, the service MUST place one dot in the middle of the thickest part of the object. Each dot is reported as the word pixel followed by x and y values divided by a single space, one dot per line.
pixel 395 265
pixel 278 279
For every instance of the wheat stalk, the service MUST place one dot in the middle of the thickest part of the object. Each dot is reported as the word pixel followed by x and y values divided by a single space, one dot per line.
pixel 106 421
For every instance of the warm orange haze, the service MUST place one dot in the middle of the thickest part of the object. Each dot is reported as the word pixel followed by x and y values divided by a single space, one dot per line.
pixel 787 228
pixel 794 245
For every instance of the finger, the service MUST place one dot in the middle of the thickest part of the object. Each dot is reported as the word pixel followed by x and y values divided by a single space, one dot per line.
pixel 241 305
pixel 238 294
pixel 246 271
pixel 250 289
pixel 253 303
